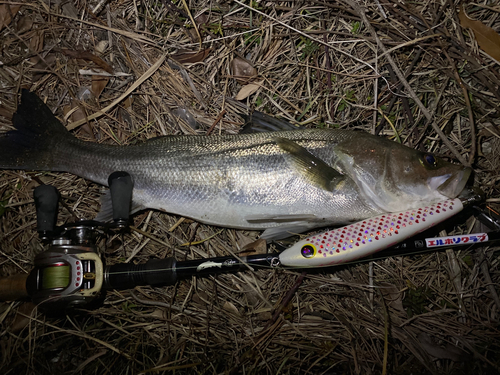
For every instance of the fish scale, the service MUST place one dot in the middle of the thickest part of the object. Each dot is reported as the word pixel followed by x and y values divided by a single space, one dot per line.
pixel 285 182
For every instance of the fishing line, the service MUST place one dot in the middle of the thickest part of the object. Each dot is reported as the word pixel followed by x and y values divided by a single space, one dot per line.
pixel 57 276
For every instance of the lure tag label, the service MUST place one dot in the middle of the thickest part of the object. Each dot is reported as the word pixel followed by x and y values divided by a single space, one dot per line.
pixel 456 240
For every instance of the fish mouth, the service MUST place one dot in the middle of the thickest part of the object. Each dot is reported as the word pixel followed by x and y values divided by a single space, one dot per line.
pixel 454 183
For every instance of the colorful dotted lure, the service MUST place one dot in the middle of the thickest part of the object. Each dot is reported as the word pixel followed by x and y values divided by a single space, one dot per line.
pixel 366 237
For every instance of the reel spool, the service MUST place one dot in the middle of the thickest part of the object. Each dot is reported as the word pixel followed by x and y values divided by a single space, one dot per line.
pixel 66 275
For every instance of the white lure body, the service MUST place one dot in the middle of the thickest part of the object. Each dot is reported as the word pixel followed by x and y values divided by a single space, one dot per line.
pixel 366 237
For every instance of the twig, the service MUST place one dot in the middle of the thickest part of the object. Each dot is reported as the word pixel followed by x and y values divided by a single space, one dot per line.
pixel 467 103
pixel 386 333
pixel 217 120
pixel 160 304
pixel 287 299
pixel 136 84
pixel 405 83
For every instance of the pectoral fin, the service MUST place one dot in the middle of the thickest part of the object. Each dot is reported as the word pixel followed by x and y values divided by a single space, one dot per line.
pixel 315 170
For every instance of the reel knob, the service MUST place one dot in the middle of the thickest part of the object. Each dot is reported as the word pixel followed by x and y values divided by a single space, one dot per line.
pixel 46 203
pixel 121 185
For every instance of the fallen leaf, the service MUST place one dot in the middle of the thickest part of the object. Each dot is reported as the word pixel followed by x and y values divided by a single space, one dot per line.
pixel 6 14
pixel 76 113
pixel 248 90
pixel 73 112
pixel 191 57
pixel 157 314
pixel 36 42
pixel 44 64
pixel 230 307
pixel 187 116
pixel 98 85
pixel 243 70
pixel 127 102
pixel 41 67
pixel 5 112
pixel 87 56
pixel 101 46
pixel 193 35
pixel 487 38
pixel 256 247
pixel 202 19
pixel 68 8
pixel 392 296
pixel 24 24
pixel 200 298
pixel 22 318
pixel 124 116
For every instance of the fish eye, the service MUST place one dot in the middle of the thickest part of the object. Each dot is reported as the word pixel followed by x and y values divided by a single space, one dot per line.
pixel 308 251
pixel 430 160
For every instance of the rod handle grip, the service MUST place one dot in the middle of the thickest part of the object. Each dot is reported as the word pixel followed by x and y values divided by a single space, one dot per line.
pixel 13 287
pixel 153 272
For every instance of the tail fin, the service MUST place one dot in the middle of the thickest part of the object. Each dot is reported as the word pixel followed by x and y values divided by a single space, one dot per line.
pixel 37 131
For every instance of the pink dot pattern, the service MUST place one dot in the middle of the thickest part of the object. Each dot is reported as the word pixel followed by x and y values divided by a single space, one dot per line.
pixel 352 236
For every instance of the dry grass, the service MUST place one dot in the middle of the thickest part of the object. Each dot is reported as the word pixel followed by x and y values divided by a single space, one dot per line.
pixel 321 64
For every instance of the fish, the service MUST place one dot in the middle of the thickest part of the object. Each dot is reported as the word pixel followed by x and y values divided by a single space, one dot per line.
pixel 282 182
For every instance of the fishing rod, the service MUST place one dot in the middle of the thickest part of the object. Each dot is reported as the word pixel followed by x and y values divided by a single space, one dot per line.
pixel 71 274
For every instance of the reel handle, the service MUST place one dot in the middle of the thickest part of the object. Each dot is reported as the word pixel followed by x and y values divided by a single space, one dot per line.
pixel 46 203
pixel 13 287
pixel 121 186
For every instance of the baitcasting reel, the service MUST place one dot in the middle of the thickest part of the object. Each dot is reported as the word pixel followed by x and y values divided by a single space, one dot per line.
pixel 70 274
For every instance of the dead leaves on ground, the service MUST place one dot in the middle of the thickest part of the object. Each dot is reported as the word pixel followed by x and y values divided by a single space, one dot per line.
pixel 7 13
pixel 98 82
pixel 487 38
pixel 98 85
pixel 244 72
pixel 191 57
pixel 87 56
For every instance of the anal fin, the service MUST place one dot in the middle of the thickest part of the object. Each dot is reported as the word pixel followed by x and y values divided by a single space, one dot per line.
pixel 288 230
pixel 106 212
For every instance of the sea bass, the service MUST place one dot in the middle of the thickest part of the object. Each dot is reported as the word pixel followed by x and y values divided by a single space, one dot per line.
pixel 284 182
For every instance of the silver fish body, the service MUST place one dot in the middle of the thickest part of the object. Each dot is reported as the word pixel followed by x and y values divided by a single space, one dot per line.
pixel 285 182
